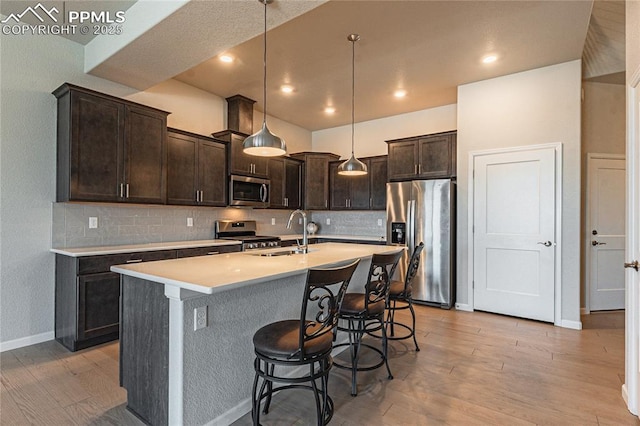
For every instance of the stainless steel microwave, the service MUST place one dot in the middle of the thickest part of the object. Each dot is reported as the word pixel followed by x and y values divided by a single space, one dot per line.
pixel 248 191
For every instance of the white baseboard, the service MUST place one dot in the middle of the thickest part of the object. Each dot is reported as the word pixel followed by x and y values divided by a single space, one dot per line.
pixel 26 341
pixel 575 325
pixel 464 307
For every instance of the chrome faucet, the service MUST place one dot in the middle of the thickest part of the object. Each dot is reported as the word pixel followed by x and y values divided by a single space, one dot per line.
pixel 304 248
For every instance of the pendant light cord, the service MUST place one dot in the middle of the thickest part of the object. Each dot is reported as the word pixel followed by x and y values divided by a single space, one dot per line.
pixel 353 92
pixel 264 63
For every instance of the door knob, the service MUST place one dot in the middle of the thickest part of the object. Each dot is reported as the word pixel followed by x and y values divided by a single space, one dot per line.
pixel 635 265
pixel 546 243
pixel 598 243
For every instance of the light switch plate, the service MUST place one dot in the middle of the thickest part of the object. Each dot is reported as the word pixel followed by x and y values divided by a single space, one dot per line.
pixel 379 222
pixel 328 221
pixel 93 222
pixel 189 221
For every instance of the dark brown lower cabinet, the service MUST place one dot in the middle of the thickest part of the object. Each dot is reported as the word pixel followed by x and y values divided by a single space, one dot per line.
pixel 98 304
pixel 87 306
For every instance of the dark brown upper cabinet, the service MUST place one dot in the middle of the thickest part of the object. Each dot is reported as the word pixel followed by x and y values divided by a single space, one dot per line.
pixel 239 162
pixel 316 178
pixel 422 157
pixel 285 175
pixel 196 170
pixel 366 192
pixel 109 149
pixel 378 182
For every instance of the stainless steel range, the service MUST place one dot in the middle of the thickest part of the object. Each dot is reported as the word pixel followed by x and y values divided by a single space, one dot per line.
pixel 245 231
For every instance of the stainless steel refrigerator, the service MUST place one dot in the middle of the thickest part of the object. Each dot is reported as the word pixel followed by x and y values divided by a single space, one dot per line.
pixel 424 211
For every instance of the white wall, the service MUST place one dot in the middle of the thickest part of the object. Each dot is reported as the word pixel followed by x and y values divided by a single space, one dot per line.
pixel 370 136
pixel 31 68
pixel 529 108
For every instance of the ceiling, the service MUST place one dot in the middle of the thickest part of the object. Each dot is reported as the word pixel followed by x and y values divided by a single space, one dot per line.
pixel 427 48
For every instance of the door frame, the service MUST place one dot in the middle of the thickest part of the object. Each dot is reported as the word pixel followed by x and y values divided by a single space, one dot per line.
pixel 587 223
pixel 557 147
pixel 632 301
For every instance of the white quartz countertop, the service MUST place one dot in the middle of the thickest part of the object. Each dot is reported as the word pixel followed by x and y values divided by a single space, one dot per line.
pixel 130 248
pixel 335 237
pixel 211 274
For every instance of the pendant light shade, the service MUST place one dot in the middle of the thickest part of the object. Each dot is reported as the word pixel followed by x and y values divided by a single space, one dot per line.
pixel 264 143
pixel 353 166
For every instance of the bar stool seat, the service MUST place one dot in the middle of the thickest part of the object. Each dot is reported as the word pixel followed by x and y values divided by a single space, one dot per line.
pixel 363 313
pixel 304 342
pixel 354 304
pixel 282 338
pixel 400 299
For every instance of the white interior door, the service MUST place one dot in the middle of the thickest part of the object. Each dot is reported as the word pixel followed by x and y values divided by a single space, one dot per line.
pixel 605 240
pixel 632 277
pixel 514 233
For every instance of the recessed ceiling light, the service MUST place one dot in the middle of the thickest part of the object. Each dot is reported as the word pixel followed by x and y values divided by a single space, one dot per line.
pixel 489 59
pixel 287 89
pixel 329 110
pixel 400 93
pixel 226 58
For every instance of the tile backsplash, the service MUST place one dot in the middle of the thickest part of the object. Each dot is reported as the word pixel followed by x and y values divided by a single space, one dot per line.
pixel 139 224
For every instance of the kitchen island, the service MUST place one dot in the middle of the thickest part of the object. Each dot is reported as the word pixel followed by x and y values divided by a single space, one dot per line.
pixel 175 374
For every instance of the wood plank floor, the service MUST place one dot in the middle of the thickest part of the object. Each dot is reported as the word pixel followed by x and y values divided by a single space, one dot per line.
pixel 474 368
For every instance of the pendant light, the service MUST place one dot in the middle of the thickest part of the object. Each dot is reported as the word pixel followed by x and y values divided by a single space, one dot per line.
pixel 353 166
pixel 264 143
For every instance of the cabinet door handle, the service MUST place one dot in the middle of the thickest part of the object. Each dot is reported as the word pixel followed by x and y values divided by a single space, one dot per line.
pixel 134 261
pixel 127 192
pixel 122 190
pixel 418 168
pixel 211 253
pixel 201 196
pixel 415 169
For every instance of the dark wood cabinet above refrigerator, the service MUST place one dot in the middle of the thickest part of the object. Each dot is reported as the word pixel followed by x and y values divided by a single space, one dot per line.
pixel 422 157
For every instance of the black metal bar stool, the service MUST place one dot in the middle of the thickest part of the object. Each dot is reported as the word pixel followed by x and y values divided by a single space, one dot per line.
pixel 400 299
pixel 364 313
pixel 306 341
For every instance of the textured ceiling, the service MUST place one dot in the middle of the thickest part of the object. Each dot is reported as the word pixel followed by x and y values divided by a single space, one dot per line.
pixel 427 48
pixel 604 50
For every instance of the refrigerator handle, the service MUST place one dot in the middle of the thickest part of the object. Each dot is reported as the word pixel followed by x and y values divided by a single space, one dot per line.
pixel 411 210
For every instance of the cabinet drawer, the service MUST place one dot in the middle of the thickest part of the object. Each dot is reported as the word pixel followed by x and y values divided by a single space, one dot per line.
pixel 97 264
pixel 208 251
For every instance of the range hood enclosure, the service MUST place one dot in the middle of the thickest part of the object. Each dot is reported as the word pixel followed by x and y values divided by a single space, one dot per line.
pixel 240 114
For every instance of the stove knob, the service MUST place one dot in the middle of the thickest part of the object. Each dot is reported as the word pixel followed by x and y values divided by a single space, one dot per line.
pixel 263 244
pixel 251 246
pixel 273 244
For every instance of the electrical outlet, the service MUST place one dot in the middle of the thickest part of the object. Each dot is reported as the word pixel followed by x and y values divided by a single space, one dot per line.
pixel 299 221
pixel 189 221
pixel 379 222
pixel 328 221
pixel 199 318
pixel 273 220
pixel 93 222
